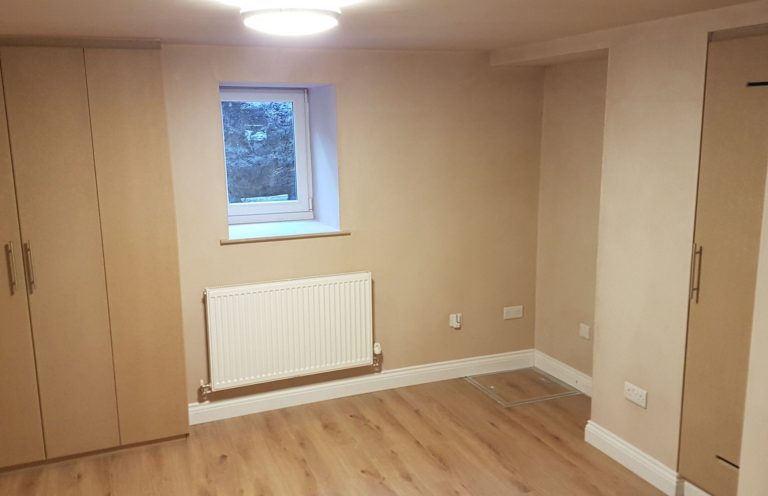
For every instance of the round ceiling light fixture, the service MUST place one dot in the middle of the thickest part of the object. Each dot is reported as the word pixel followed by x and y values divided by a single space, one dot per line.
pixel 286 21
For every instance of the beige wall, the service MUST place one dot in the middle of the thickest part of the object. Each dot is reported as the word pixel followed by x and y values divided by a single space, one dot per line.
pixel 656 76
pixel 432 253
pixel 438 171
pixel 569 202
pixel 653 122
pixel 753 477
pixel 650 167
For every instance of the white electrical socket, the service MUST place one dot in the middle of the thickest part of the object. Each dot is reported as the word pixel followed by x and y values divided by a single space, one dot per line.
pixel 513 312
pixel 585 331
pixel 636 395
pixel 454 320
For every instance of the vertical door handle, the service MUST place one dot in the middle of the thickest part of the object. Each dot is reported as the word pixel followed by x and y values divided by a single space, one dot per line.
pixel 30 266
pixel 698 256
pixel 11 257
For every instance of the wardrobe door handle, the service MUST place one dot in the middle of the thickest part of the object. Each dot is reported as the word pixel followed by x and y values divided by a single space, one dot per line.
pixel 11 266
pixel 698 256
pixel 30 266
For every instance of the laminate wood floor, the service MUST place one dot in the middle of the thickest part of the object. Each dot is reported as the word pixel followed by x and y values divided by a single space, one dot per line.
pixel 445 438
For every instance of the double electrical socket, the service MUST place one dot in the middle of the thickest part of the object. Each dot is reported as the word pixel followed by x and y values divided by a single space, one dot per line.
pixel 513 312
pixel 636 394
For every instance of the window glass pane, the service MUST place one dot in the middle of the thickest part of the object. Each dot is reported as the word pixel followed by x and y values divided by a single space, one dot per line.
pixel 260 151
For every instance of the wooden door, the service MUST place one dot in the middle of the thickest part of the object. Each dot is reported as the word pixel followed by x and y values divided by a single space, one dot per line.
pixel 138 217
pixel 50 135
pixel 21 433
pixel 732 177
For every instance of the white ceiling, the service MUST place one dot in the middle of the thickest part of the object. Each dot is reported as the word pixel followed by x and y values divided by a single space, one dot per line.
pixel 382 24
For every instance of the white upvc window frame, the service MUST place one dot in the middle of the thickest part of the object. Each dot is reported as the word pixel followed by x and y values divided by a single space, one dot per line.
pixel 277 211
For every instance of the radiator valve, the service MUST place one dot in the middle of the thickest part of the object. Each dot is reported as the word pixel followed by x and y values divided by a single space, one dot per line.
pixel 203 391
pixel 378 357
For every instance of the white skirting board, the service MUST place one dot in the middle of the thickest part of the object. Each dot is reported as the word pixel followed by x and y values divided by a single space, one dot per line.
pixel 200 413
pixel 563 372
pixel 642 464
pixel 691 490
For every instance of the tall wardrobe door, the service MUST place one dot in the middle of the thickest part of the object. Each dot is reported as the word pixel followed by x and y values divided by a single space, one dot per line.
pixel 21 433
pixel 49 125
pixel 139 226
pixel 732 178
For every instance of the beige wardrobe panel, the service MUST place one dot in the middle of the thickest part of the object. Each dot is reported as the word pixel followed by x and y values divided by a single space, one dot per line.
pixel 21 433
pixel 47 104
pixel 728 220
pixel 140 247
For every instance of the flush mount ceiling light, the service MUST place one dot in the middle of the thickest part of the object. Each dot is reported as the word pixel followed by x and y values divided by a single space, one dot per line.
pixel 291 21
pixel 290 17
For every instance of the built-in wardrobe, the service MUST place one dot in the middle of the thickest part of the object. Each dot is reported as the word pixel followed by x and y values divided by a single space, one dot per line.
pixel 732 176
pixel 91 353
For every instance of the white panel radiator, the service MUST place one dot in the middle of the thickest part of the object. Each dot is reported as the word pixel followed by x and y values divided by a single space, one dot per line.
pixel 266 332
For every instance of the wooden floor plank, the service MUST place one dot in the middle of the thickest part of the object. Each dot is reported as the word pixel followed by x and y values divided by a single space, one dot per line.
pixel 445 438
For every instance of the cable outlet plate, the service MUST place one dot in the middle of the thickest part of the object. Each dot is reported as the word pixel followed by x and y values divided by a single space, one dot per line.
pixel 585 332
pixel 454 320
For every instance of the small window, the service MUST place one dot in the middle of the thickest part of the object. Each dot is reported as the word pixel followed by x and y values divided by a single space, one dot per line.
pixel 267 154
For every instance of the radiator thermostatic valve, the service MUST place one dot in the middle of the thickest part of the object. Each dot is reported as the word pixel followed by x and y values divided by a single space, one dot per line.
pixel 378 357
pixel 203 391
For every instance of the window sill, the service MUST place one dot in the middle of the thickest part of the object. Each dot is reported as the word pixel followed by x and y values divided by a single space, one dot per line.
pixel 280 231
